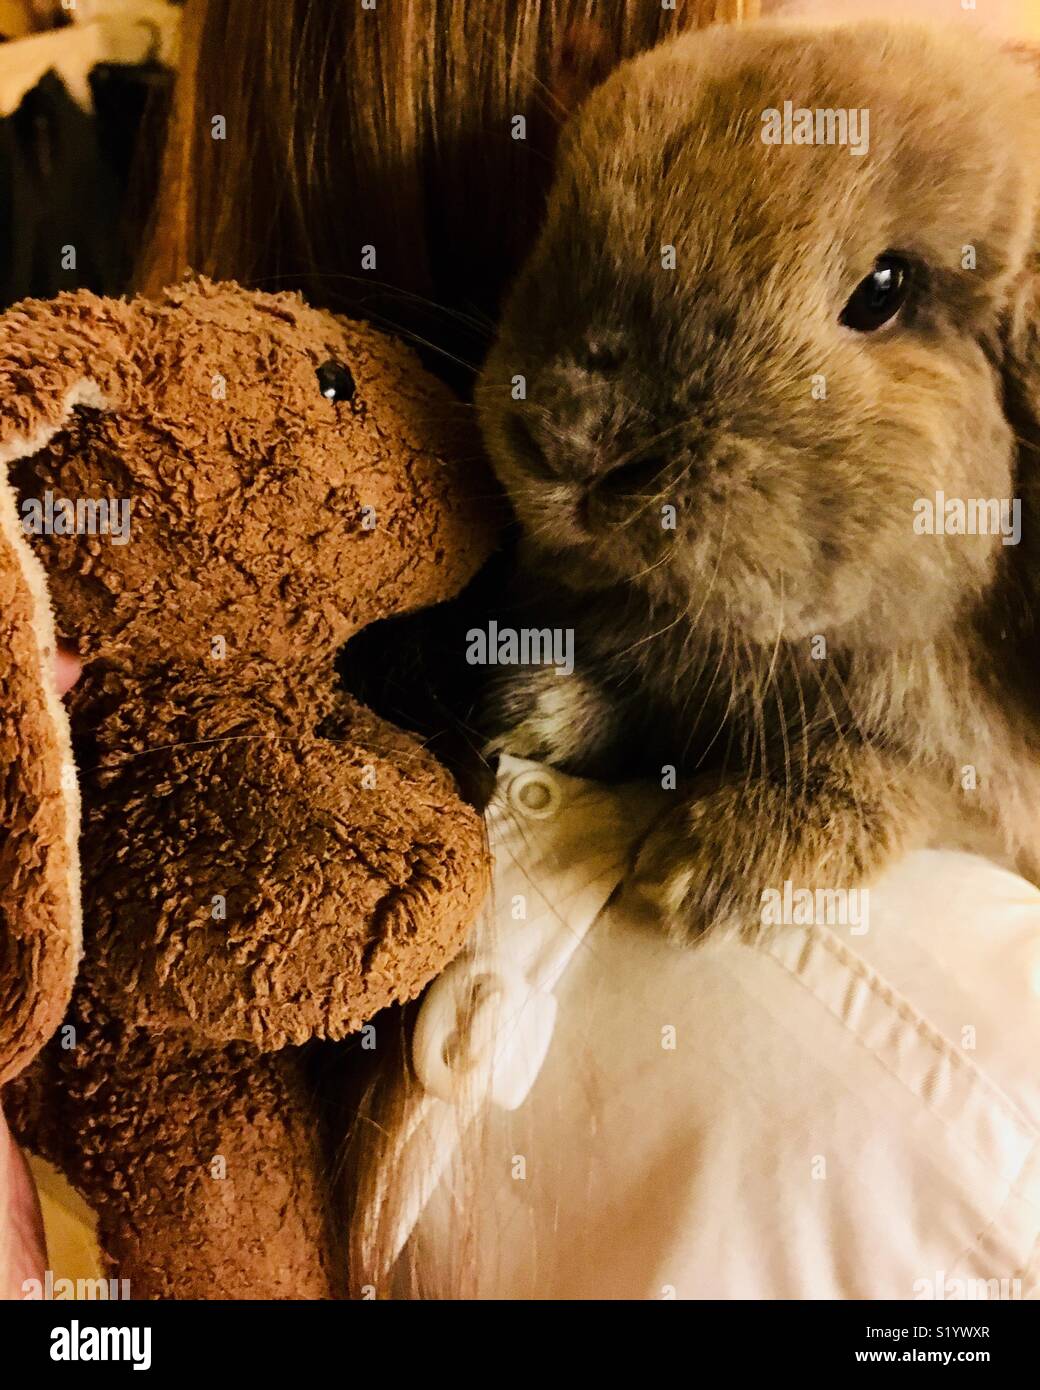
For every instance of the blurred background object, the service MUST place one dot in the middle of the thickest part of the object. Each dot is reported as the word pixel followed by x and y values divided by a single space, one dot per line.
pixel 1019 18
pixel 84 92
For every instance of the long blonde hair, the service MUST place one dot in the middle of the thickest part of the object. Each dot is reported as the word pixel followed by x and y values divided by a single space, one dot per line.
pixel 391 127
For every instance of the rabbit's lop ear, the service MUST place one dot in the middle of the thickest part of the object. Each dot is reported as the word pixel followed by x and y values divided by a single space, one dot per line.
pixel 1022 329
pixel 1022 361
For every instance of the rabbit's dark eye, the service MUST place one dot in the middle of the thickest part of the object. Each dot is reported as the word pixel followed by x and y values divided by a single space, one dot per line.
pixel 335 381
pixel 877 299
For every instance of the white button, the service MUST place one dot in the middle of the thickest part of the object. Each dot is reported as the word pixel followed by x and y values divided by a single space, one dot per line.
pixel 534 793
pixel 481 1032
pixel 452 1030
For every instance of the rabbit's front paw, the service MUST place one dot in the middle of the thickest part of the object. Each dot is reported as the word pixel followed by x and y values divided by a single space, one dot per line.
pixel 687 874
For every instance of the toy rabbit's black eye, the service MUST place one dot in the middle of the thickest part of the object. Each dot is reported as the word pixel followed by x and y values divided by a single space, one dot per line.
pixel 876 300
pixel 335 381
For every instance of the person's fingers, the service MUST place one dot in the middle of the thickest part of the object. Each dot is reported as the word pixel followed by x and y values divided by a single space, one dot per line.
pixel 67 667
pixel 23 1248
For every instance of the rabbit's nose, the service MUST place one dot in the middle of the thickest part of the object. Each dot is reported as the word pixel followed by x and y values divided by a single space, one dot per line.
pixel 636 476
pixel 555 450
pixel 570 428
pixel 603 352
pixel 577 453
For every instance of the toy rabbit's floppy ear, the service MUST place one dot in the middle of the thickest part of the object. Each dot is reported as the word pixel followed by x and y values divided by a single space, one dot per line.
pixel 55 355
pixel 39 809
pixel 46 370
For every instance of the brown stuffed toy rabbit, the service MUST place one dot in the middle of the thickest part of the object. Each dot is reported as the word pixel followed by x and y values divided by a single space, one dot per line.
pixel 265 862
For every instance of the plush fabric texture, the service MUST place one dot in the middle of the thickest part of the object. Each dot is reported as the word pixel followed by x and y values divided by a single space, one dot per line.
pixel 266 863
pixel 321 877
pixel 206 1167
pixel 39 809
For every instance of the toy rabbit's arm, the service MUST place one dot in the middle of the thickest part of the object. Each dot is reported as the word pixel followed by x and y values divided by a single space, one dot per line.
pixel 250 878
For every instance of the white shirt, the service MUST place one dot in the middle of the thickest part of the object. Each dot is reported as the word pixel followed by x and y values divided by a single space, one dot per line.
pixel 840 1113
